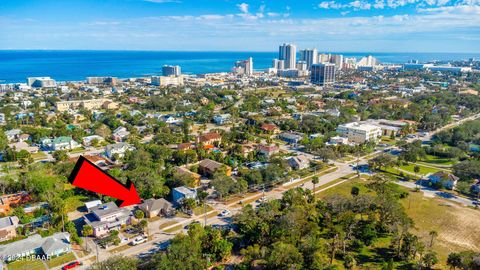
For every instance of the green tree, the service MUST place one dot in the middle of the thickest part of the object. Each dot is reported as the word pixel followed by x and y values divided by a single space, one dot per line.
pixel 430 259
pixel 87 230
pixel 284 257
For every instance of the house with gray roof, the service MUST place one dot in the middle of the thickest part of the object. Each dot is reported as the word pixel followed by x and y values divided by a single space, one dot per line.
pixel 8 228
pixel 156 207
pixel 117 148
pixel 50 246
pixel 106 217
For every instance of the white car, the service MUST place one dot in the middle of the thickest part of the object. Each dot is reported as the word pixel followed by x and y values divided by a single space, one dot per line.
pixel 139 240
pixel 225 213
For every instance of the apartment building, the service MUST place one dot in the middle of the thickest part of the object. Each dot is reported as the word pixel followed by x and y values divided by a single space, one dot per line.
pixel 360 132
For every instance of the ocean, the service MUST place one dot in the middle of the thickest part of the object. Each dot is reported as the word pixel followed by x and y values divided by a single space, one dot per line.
pixel 16 66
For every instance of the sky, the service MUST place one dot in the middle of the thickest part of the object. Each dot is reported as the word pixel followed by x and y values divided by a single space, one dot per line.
pixel 230 25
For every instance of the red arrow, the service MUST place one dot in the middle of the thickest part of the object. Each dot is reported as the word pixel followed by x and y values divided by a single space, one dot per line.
pixel 88 176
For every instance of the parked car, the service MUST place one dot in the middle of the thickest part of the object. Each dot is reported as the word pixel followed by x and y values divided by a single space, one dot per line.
pixel 225 213
pixel 138 240
pixel 71 265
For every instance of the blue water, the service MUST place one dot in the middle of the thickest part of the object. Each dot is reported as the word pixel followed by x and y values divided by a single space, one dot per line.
pixel 16 66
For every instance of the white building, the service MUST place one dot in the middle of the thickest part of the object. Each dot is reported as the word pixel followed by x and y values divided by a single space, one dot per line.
pixel 167 80
pixel 288 53
pixel 244 67
pixel 171 70
pixel 117 148
pixel 41 82
pixel 360 133
pixel 310 56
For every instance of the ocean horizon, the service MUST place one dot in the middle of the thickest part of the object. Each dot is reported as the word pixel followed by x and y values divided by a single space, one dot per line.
pixel 76 65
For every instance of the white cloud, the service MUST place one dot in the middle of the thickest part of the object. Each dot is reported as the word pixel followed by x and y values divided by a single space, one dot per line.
pixel 243 7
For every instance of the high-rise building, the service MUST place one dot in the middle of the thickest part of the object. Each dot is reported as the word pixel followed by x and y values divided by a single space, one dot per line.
pixel 337 59
pixel 41 82
pixel 288 53
pixel 322 74
pixel 324 58
pixel 310 56
pixel 278 64
pixel 171 70
pixel 302 65
pixel 368 61
pixel 244 67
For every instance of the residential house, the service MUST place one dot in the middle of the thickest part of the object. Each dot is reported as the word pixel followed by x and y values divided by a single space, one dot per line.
pixel 443 179
pixel 106 217
pixel 117 148
pixel 120 134
pixel 110 105
pixel 299 162
pixel 50 246
pixel 157 207
pixel 270 128
pixel 59 143
pixel 8 200
pixel 12 134
pixel 222 119
pixel 268 150
pixel 187 173
pixel 18 146
pixel 185 146
pixel 181 193
pixel 291 137
pixel 208 167
pixel 89 205
pixel 337 140
pixel 87 141
pixel 8 228
pixel 210 138
pixel 23 137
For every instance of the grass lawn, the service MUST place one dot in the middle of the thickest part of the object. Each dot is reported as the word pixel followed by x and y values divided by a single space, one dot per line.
pixel 166 224
pixel 434 160
pixel 72 203
pixel 120 248
pixel 388 140
pixel 26 265
pixel 423 170
pixel 61 260
pixel 39 155
pixel 174 228
pixel 200 210
pixel 344 188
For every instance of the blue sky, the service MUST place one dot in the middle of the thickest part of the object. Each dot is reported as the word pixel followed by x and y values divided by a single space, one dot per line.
pixel 230 25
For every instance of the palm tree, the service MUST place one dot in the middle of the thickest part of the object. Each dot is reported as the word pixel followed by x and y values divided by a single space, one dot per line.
pixel 432 234
pixel 314 181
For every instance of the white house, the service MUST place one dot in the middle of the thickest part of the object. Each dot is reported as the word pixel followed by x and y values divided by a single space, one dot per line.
pixel 117 148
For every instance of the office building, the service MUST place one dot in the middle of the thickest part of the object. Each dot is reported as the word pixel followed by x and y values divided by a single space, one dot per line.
pixel 360 132
pixel 310 56
pixel 322 74
pixel 41 82
pixel 288 53
pixel 171 70
pixel 244 67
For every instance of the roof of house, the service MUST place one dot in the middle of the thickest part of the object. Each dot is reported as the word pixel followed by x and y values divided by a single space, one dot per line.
pixel 184 190
pixel 209 136
pixel 155 204
pixel 301 159
pixel 8 221
pixel 183 146
pixel 60 239
pixel 116 146
pixel 268 148
pixel 269 127
pixel 209 164
pixel 446 176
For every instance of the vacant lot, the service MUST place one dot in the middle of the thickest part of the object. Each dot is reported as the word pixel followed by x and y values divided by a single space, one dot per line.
pixel 457 226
